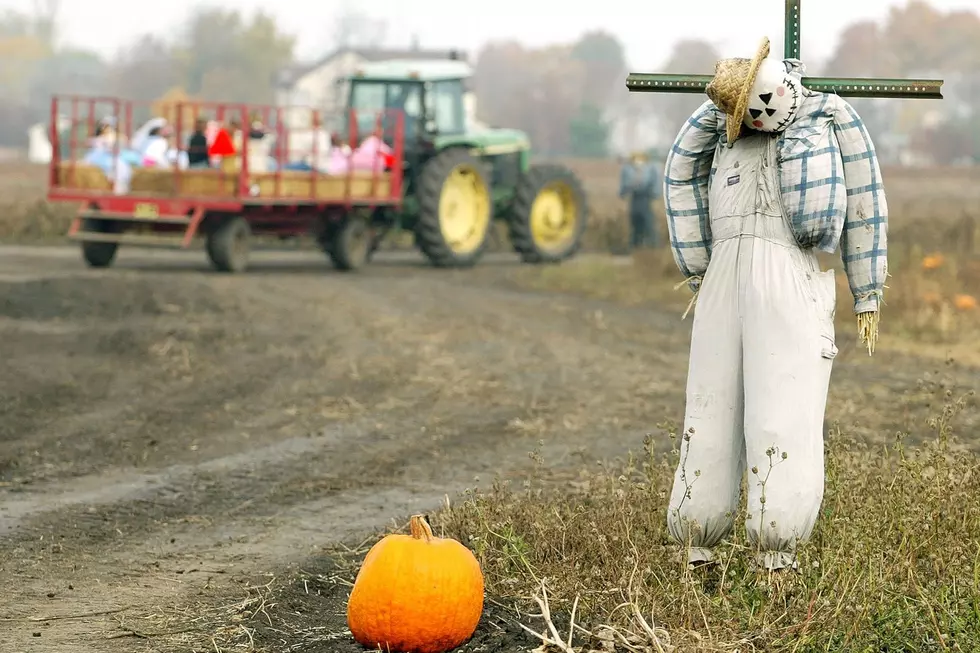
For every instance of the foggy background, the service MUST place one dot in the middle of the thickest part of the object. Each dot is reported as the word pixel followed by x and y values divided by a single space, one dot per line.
pixel 553 69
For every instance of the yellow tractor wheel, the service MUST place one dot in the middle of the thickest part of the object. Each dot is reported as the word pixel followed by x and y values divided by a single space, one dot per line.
pixel 549 214
pixel 455 209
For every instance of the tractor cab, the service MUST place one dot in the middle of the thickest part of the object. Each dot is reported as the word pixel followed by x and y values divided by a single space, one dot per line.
pixel 431 95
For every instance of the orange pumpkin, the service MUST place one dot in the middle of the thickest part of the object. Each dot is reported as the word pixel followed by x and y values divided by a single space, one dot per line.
pixel 933 261
pixel 416 593
pixel 965 302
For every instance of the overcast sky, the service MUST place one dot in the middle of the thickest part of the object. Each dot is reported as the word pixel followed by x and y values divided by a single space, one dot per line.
pixel 647 33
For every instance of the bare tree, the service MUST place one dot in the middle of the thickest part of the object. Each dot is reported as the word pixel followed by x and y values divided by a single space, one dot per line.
pixel 46 13
pixel 689 56
pixel 353 28
pixel 537 90
pixel 918 40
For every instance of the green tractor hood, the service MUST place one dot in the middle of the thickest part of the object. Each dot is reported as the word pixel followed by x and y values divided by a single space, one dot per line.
pixel 487 142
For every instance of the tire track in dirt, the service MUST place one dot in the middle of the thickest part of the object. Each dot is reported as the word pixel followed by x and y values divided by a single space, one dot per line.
pixel 441 383
pixel 274 413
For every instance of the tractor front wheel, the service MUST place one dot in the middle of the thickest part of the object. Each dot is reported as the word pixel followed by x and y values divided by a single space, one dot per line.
pixel 455 209
pixel 228 245
pixel 549 214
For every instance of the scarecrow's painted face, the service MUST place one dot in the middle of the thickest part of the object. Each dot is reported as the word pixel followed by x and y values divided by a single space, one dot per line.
pixel 774 98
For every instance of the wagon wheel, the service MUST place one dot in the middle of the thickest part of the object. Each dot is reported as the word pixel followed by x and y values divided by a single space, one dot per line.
pixel 455 209
pixel 228 245
pixel 549 214
pixel 99 255
pixel 350 244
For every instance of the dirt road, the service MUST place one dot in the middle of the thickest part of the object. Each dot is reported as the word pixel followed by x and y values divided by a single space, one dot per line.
pixel 167 433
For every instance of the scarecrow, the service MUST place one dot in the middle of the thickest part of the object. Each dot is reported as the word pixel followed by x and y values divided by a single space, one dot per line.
pixel 761 177
pixel 638 181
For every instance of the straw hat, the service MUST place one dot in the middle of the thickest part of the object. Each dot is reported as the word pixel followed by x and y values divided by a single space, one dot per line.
pixel 730 88
pixel 639 157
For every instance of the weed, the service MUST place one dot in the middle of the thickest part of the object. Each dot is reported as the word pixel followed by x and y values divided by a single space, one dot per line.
pixel 893 564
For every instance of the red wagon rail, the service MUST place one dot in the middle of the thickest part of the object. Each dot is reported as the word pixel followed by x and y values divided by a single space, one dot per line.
pixel 267 186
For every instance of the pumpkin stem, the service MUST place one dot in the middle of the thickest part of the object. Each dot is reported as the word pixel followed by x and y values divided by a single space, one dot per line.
pixel 420 528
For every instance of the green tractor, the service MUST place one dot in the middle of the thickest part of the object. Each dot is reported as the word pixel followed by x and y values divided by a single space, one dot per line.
pixel 460 176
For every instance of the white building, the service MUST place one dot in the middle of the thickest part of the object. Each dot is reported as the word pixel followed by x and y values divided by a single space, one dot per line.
pixel 321 85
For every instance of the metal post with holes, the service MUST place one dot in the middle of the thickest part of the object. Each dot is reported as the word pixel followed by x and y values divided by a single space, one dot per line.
pixel 859 87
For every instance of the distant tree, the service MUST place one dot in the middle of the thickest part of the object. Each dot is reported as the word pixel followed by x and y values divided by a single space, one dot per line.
pixel 498 80
pixel 222 57
pixel 535 90
pixel 961 40
pixel 24 58
pixel 46 15
pixel 70 72
pixel 355 29
pixel 604 61
pixel 144 70
pixel 15 24
pixel 589 133
pixel 954 141
pixel 552 90
pixel 22 55
pixel 917 39
pixel 860 52
pixel 688 56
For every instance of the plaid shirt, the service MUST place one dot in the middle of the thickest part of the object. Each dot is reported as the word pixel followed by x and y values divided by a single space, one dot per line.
pixel 831 185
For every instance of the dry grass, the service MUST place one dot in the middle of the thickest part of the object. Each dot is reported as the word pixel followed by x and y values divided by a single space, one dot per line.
pixel 934 280
pixel 25 214
pixel 913 194
pixel 894 564
pixel 934 218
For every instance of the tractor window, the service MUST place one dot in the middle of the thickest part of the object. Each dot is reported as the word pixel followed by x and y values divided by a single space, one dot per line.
pixel 367 97
pixel 404 97
pixel 370 98
pixel 446 103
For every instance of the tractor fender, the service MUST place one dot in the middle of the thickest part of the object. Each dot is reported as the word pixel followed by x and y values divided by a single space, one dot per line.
pixel 474 149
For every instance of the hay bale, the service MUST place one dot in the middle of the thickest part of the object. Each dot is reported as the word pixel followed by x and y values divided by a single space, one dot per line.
pixel 153 181
pixel 166 106
pixel 298 184
pixel 200 183
pixel 82 176
pixel 207 183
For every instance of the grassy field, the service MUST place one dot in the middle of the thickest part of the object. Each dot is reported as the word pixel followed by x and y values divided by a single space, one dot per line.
pixel 894 564
pixel 934 252
pixel 895 561
pixel 934 260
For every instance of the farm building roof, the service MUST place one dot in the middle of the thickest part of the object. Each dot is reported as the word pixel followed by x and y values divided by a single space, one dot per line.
pixel 426 71
pixel 289 76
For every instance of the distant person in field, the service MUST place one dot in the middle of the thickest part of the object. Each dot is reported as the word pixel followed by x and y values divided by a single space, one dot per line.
pixel 640 182
pixel 197 146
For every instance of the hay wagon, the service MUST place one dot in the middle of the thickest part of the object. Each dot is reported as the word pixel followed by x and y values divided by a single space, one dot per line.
pixel 246 194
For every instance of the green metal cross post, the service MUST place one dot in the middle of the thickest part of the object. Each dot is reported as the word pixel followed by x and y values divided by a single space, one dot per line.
pixel 930 89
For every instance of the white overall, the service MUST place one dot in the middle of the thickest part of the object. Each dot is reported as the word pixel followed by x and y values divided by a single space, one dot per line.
pixel 761 354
